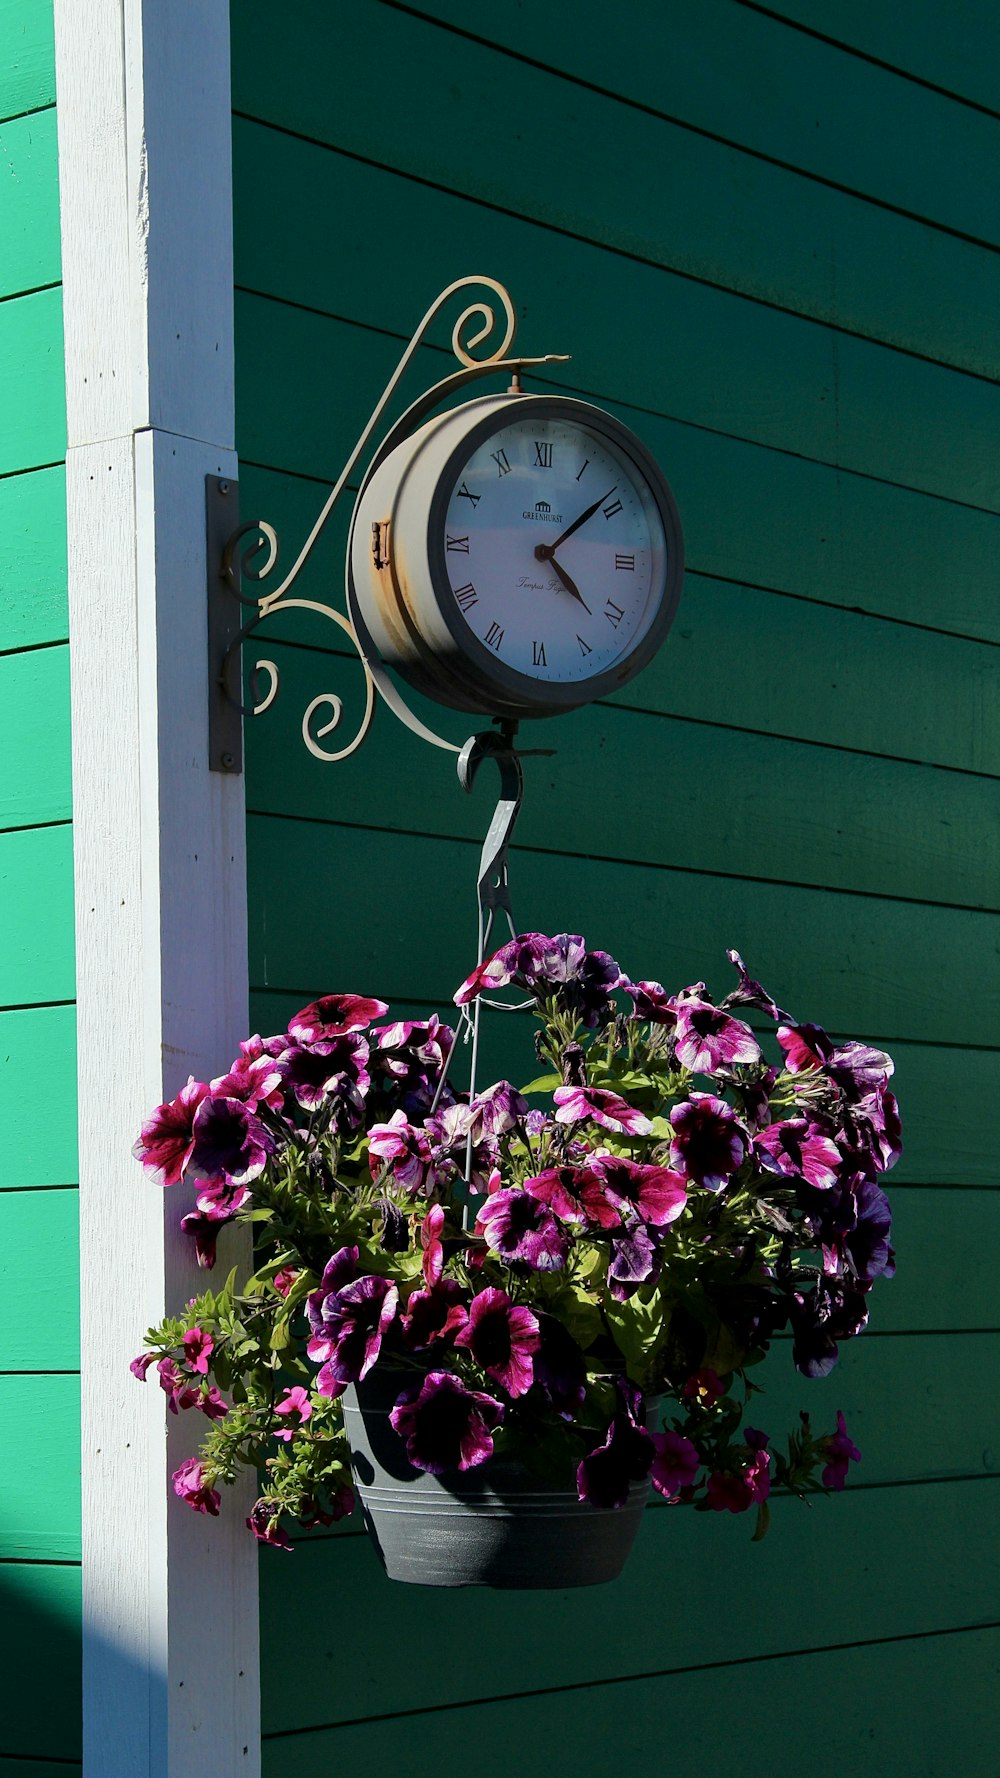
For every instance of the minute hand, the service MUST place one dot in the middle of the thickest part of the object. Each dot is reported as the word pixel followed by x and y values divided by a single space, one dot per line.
pixel 582 520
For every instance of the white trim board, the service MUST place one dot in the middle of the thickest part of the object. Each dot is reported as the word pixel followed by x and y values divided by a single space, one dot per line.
pixel 170 1598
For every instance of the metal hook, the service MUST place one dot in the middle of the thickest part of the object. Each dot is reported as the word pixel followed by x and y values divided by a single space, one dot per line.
pixel 493 883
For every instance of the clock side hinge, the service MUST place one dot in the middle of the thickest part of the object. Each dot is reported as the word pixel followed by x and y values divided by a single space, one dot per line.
pixel 380 543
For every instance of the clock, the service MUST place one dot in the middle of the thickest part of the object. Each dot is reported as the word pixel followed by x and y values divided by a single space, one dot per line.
pixel 517 556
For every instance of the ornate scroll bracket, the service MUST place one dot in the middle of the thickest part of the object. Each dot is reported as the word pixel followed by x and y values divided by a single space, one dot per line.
pixel 231 567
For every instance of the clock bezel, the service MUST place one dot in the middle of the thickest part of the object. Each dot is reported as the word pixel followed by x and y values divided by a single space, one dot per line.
pixel 548 696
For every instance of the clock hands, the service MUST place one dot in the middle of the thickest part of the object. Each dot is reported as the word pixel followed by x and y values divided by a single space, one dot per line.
pixel 570 585
pixel 575 526
pixel 546 552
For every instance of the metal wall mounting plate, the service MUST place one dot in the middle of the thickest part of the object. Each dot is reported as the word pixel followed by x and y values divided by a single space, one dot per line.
pixel 225 619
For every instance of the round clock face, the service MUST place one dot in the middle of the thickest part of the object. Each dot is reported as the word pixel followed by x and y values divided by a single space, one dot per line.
pixel 554 546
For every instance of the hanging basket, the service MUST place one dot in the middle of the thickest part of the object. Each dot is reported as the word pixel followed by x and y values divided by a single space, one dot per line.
pixel 492 1526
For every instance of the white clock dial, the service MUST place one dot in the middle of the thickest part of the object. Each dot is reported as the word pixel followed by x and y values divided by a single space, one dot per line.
pixel 554 549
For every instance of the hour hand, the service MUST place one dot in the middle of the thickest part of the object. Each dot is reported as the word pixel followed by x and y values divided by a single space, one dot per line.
pixel 570 585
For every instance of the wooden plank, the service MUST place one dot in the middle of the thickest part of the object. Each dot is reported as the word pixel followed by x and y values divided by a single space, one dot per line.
pixel 38 1045
pixel 964 60
pixel 827 956
pixel 40 1653
pixel 941 1283
pixel 39 1303
pixel 34 737
pixel 306 382
pixel 812 249
pixel 776 91
pixel 843 539
pixel 695 1590
pixel 29 203
pixel 33 415
pixel 727 660
pixel 27 61
pixel 804 814
pixel 41 1516
pixel 35 1768
pixel 33 558
pixel 914 1706
pixel 36 916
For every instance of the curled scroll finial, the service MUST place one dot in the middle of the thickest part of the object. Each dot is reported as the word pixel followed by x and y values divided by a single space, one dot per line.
pixel 481 311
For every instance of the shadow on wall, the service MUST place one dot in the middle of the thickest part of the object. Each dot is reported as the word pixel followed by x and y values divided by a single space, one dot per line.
pixel 40 1660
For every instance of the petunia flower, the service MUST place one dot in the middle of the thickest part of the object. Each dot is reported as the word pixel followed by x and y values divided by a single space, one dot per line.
pixel 434 1316
pixel 432 1263
pixel 266 1527
pixel 806 1047
pixel 750 993
pixel 600 1106
pixel 576 1195
pixel 496 1111
pixel 333 1016
pixel 839 1451
pixel 402 1147
pixel 198 1348
pixel 709 1143
pixel 650 1001
pixel 356 1320
pixel 191 1487
pixel 517 1226
pixel 675 1464
pixel 167 1138
pixel 444 1425
pixel 798 1150
pixel 707 1038
pixel 654 1194
pixel 139 1366
pixel 296 1408
pixel 230 1144
pixel 635 1260
pixel 212 1402
pixel 820 1319
pixel 215 1207
pixel 736 1491
pixel 340 1269
pixel 332 1073
pixel 178 1389
pixel 580 980
pixel 704 1386
pixel 624 1457
pixel 502 1338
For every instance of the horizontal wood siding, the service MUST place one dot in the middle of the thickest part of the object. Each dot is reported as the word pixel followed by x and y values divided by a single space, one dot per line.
pixel 775 256
pixel 39 1246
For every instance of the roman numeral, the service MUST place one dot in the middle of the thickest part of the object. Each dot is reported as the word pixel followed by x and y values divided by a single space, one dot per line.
pixel 466 596
pixel 494 637
pixel 543 456
pixel 613 613
pixel 464 494
pixel 538 655
pixel 609 511
pixel 461 544
pixel 585 647
pixel 584 467
pixel 500 459
pixel 627 562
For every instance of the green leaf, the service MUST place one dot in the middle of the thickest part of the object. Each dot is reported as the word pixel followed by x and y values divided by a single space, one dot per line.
pixel 546 1083
pixel 763 1522
pixel 579 1314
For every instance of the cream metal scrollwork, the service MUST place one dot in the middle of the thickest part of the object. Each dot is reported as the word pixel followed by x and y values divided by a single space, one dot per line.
pixel 257 562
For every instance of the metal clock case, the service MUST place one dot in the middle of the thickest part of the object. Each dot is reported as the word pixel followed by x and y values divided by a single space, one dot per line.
pixel 454 565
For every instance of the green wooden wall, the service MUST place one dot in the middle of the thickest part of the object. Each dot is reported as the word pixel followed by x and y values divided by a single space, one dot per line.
pixel 769 237
pixel 39 1292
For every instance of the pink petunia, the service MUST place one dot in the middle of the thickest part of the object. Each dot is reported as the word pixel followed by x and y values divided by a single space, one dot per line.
pixel 600 1106
pixel 198 1348
pixel 296 1408
pixel 191 1487
pixel 167 1138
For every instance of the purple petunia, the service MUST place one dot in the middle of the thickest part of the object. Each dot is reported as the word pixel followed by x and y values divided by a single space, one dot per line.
pixel 355 1320
pixel 517 1226
pixel 654 1194
pixel 798 1150
pixel 650 1001
pixel 402 1147
pixel 444 1425
pixel 435 1315
pixel 496 1111
pixel 706 1038
pixel 167 1138
pixel 333 1073
pixel 502 1338
pixel 750 993
pixel 333 1016
pixel 839 1451
pixel 600 1106
pixel 580 980
pixel 575 1195
pixel 675 1464
pixel 625 1456
pixel 230 1144
pixel 635 1260
pixel 709 1143
pixel 191 1487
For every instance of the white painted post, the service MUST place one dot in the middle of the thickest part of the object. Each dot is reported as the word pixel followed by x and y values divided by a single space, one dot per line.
pixel 170 1598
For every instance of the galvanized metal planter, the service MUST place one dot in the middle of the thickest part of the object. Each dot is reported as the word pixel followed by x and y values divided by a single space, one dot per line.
pixel 492 1526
